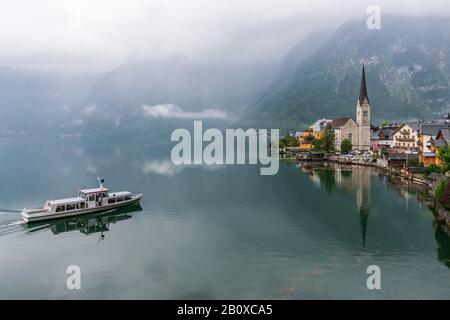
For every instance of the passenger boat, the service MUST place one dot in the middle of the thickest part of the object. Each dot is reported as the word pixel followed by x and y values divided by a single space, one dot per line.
pixel 88 201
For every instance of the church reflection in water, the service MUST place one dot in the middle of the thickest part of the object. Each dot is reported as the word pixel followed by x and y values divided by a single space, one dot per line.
pixel 352 181
pixel 87 224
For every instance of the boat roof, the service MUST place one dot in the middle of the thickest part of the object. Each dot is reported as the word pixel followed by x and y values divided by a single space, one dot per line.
pixel 120 193
pixel 67 200
pixel 94 190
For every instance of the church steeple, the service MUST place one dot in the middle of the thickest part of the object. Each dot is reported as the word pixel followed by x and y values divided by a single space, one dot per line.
pixel 363 87
pixel 363 114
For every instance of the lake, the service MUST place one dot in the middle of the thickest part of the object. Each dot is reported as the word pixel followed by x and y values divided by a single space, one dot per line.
pixel 213 232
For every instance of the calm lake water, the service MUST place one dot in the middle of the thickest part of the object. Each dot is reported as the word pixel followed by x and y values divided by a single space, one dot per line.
pixel 212 232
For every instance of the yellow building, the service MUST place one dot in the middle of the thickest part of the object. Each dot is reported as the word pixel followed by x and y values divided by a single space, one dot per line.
pixel 306 138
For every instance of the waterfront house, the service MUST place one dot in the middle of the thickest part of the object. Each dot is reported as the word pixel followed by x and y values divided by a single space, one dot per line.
pixel 427 148
pixel 442 138
pixel 384 138
pixel 405 138
pixel 306 138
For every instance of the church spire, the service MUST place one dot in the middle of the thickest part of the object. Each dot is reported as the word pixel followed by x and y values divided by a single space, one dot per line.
pixel 363 87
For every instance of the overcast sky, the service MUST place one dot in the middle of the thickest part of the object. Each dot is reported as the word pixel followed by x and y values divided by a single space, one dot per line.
pixel 99 35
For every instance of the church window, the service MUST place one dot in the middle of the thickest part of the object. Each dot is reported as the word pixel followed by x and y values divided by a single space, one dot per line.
pixel 365 113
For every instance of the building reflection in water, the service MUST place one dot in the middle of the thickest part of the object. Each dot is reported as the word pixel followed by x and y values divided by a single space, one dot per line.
pixel 88 224
pixel 352 181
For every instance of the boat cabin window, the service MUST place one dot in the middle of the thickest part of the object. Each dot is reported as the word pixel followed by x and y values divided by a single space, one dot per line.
pixel 91 197
pixel 81 195
pixel 70 206
pixel 82 205
pixel 119 199
pixel 60 208
pixel 127 198
pixel 111 200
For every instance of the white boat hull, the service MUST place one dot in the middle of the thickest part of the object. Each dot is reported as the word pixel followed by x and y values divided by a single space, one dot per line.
pixel 56 215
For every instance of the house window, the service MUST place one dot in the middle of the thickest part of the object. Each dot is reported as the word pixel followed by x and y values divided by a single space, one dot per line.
pixel 350 137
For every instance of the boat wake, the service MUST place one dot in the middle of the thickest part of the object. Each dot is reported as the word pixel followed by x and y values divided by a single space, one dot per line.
pixel 8 221
pixel 9 227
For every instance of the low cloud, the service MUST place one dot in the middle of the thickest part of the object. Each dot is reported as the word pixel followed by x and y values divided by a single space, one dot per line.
pixel 171 111
pixel 89 109
pixel 165 168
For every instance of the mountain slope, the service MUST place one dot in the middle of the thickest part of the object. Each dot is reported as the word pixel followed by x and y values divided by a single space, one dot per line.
pixel 407 68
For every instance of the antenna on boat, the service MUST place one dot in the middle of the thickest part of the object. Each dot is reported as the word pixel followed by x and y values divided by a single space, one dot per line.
pixel 100 181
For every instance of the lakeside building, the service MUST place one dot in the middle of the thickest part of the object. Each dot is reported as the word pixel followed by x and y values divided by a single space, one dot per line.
pixel 427 136
pixel 383 138
pixel 306 138
pixel 358 132
pixel 406 138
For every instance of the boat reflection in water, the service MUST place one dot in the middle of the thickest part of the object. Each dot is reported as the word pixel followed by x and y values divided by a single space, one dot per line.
pixel 87 224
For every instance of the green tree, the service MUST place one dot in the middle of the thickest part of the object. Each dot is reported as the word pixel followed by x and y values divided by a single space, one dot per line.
pixel 288 141
pixel 317 144
pixel 328 139
pixel 346 146
pixel 414 162
pixel 443 153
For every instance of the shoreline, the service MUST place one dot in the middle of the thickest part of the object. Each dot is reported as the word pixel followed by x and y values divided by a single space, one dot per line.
pixel 440 214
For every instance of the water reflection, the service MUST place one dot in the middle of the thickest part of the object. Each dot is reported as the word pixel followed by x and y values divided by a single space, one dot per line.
pixel 352 182
pixel 442 236
pixel 87 224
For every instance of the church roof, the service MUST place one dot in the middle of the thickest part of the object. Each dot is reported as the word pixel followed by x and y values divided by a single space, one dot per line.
pixel 339 122
pixel 363 87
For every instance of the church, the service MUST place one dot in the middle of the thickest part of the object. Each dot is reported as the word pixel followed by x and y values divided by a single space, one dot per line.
pixel 358 132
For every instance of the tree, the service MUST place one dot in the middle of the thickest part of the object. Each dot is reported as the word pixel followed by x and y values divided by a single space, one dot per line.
pixel 443 153
pixel 317 144
pixel 346 146
pixel 328 139
pixel 288 141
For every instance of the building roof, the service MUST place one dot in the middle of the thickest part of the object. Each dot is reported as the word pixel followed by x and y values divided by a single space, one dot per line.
pixel 363 88
pixel 432 129
pixel 375 135
pixel 413 125
pixel 94 190
pixel 388 131
pixel 339 122
pixel 445 133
